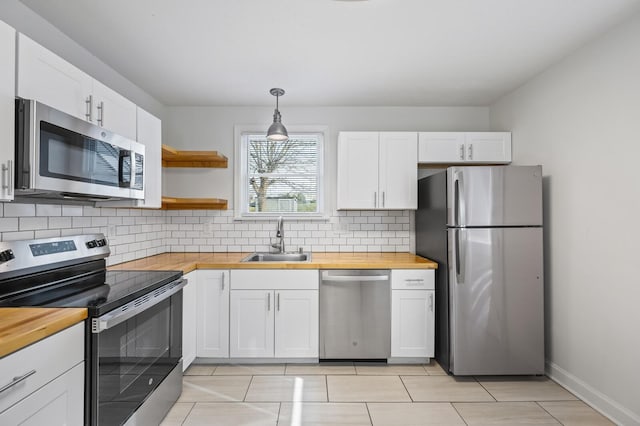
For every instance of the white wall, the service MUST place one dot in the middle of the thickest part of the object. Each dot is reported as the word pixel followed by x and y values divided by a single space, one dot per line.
pixel 580 119
pixel 24 20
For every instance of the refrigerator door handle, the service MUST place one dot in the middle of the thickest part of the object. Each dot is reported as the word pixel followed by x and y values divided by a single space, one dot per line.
pixel 459 251
pixel 456 203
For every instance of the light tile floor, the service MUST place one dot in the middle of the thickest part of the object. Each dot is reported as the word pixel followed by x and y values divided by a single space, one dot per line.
pixel 369 394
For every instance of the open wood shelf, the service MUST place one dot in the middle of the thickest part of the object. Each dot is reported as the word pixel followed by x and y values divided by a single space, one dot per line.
pixel 173 203
pixel 172 157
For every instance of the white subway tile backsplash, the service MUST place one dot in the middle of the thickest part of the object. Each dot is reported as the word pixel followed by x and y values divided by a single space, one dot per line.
pixel 33 223
pixel 138 232
pixel 19 210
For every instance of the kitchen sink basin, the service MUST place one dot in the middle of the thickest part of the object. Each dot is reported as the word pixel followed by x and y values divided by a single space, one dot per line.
pixel 277 257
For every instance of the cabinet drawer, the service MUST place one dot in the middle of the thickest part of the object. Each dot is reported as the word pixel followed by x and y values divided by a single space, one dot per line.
pixel 274 279
pixel 47 359
pixel 412 279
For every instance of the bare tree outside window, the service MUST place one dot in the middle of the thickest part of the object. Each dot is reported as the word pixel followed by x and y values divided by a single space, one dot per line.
pixel 283 176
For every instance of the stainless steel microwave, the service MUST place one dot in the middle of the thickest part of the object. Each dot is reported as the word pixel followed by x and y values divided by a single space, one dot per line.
pixel 61 157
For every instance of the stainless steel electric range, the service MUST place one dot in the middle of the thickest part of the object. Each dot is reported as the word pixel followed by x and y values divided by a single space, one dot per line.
pixel 134 330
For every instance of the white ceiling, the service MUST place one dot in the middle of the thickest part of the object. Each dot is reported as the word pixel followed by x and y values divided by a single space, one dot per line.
pixel 328 52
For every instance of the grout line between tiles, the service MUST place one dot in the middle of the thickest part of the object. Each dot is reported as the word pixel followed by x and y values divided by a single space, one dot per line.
pixel 247 391
pixel 405 388
pixel 485 389
pixel 366 404
pixel 458 412
pixel 278 416
pixel 188 414
pixel 545 410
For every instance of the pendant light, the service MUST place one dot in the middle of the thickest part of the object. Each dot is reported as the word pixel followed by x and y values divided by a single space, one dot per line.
pixel 277 132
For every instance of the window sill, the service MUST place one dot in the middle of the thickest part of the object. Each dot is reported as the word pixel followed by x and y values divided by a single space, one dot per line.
pixel 306 218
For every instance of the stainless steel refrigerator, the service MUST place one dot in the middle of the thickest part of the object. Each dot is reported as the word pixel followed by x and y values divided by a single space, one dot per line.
pixel 483 225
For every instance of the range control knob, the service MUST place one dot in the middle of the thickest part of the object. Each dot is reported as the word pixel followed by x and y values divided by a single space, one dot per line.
pixel 92 244
pixel 102 242
pixel 6 255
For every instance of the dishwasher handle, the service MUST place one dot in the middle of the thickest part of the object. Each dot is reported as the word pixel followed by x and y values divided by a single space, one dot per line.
pixel 353 278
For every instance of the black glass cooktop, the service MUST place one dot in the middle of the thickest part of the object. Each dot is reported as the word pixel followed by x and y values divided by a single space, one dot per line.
pixel 98 291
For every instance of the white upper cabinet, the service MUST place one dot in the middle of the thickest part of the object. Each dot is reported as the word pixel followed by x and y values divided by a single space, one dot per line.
pixel 47 78
pixel 150 135
pixel 113 111
pixel 7 109
pixel 377 170
pixel 464 147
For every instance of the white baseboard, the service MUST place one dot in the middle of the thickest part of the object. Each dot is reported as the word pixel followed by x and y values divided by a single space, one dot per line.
pixel 596 399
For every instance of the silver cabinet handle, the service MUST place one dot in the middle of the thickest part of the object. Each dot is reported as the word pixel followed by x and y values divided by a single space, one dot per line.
pixel 431 302
pixel 375 199
pixel 223 281
pixel 8 170
pixel 17 380
pixel 269 301
pixel 359 278
pixel 101 114
pixel 382 198
pixel 470 149
pixel 89 104
pixel 414 281
pixel 462 152
pixel 278 301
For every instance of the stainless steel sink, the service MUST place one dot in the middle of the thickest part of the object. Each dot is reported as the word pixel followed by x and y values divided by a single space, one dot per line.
pixel 277 257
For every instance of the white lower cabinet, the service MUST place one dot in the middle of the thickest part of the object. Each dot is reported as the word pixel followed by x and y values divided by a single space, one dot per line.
pixel 212 313
pixel 296 324
pixel 412 313
pixel 60 402
pixel 189 319
pixel 274 313
pixel 45 381
pixel 252 326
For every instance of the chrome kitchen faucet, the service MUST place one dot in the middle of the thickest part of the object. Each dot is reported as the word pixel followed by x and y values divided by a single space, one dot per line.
pixel 280 235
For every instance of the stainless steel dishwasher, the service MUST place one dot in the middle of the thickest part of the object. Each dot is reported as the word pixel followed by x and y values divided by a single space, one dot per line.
pixel 355 314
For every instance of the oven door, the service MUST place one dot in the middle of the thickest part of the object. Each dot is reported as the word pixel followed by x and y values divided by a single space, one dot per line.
pixel 132 350
pixel 63 154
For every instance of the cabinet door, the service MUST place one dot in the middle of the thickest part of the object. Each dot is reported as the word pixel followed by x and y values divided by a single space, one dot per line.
pixel 441 147
pixel 412 323
pixel 46 77
pixel 60 402
pixel 149 134
pixel 488 147
pixel 113 111
pixel 296 327
pixel 7 109
pixel 189 319
pixel 398 170
pixel 251 324
pixel 213 314
pixel 357 170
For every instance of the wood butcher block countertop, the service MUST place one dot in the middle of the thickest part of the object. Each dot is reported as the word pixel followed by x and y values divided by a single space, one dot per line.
pixel 187 262
pixel 19 327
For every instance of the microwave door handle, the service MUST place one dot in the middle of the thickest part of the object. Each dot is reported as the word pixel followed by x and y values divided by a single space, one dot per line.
pixel 121 182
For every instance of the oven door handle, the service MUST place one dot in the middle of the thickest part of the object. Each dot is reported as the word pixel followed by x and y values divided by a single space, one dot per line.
pixel 133 308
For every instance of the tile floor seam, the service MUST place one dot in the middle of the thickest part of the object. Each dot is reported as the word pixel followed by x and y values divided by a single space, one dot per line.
pixel 485 389
pixel 546 411
pixel 187 416
pixel 406 389
pixel 458 412
pixel 366 404
pixel 279 410
pixel 326 386
pixel 244 399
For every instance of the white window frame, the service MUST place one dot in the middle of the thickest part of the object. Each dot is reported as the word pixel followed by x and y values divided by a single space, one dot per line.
pixel 241 201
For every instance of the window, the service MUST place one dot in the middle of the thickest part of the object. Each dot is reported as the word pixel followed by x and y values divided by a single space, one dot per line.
pixel 281 178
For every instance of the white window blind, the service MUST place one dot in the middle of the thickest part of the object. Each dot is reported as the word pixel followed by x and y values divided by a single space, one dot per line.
pixel 282 177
